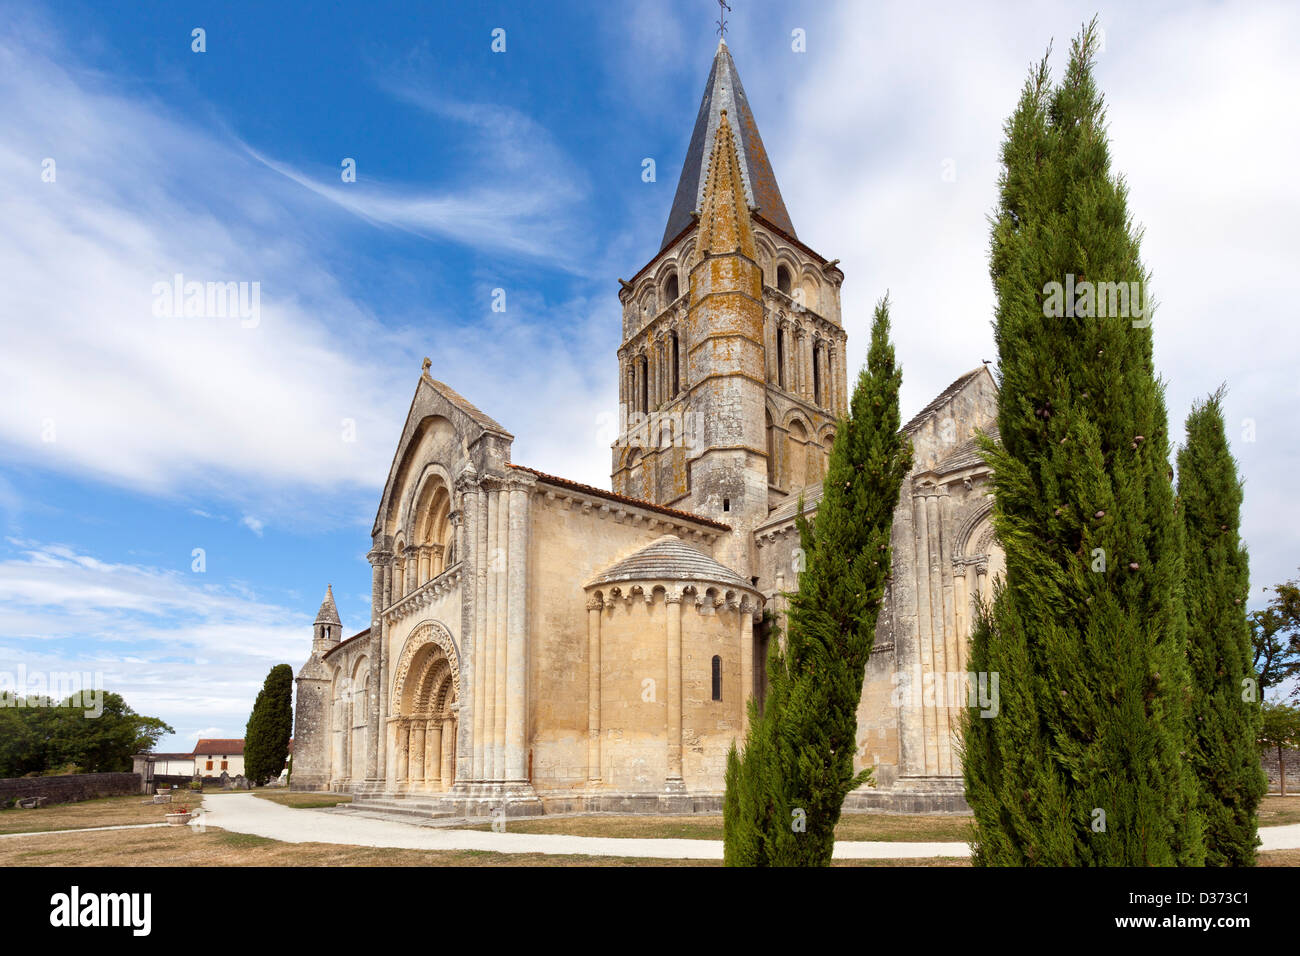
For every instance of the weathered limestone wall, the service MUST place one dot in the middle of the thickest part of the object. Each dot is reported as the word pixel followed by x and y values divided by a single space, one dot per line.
pixel 572 538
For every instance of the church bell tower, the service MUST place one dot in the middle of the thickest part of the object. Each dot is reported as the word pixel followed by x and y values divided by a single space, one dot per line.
pixel 732 363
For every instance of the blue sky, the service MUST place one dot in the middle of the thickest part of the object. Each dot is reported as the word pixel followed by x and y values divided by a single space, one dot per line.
pixel 128 440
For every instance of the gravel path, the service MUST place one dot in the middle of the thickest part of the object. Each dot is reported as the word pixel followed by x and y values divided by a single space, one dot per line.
pixel 245 813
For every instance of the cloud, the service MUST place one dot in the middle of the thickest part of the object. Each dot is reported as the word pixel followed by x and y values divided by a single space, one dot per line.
pixel 271 416
pixel 172 645
pixel 252 524
pixel 860 129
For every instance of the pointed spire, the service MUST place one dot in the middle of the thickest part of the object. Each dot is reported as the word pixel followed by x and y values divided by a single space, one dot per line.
pixel 723 91
pixel 328 613
pixel 724 213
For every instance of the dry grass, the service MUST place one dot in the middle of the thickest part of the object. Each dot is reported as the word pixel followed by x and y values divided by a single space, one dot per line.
pixel 103 812
pixel 1278 858
pixel 303 801
pixel 185 846
pixel 1278 811
pixel 888 827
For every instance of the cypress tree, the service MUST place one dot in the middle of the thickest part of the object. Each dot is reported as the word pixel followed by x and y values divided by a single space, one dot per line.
pixel 797 768
pixel 1085 763
pixel 266 738
pixel 1225 700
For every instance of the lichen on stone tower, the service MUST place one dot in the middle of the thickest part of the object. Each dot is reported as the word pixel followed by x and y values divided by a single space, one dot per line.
pixel 724 214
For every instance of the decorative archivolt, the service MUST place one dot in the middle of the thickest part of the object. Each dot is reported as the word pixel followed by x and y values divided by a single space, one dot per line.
pixel 975 538
pixel 425 634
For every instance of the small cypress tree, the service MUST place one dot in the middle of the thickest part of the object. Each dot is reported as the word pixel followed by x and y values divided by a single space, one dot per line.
pixel 266 738
pixel 1085 763
pixel 755 817
pixel 797 768
pixel 1225 707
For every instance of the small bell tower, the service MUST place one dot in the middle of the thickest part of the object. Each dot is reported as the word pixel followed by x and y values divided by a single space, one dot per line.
pixel 328 629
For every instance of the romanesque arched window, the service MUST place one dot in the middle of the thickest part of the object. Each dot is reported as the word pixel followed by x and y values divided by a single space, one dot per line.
pixel 780 357
pixel 783 280
pixel 670 289
pixel 717 677
pixel 431 532
pixel 676 363
pixel 817 373
pixel 771 449
pixel 644 397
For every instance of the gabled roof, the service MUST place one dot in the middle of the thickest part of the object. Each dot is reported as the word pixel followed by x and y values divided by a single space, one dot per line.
pixel 670 559
pixel 723 91
pixel 944 397
pixel 465 405
pixel 355 637
pixel 444 400
pixel 624 499
pixel 216 745
pixel 965 455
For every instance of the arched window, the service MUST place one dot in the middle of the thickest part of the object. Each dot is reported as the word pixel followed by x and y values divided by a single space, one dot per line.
pixel 645 385
pixel 717 677
pixel 670 289
pixel 817 373
pixel 783 281
pixel 780 357
pixel 676 360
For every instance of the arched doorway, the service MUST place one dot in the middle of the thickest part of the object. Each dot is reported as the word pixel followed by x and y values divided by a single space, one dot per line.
pixel 428 701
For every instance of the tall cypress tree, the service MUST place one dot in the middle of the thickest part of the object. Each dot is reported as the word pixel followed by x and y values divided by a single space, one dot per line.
pixel 266 738
pixel 1085 762
pixel 1225 708
pixel 785 792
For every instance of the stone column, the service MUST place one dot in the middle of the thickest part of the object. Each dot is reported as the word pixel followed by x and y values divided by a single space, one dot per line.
pixel 746 661
pixel 433 754
pixel 380 670
pixel 501 634
pixel 938 630
pixel 403 750
pixel 417 751
pixel 594 609
pixel 961 611
pixel 656 373
pixel 924 658
pixel 486 653
pixel 379 578
pixel 516 690
pixel 471 674
pixel 449 725
pixel 635 404
pixel 673 636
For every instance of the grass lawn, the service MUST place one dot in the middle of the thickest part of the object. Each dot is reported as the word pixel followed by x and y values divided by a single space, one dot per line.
pixel 891 827
pixel 184 846
pixel 1278 811
pixel 303 801
pixel 102 812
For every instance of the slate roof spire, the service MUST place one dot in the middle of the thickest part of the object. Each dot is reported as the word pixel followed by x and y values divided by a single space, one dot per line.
pixel 723 91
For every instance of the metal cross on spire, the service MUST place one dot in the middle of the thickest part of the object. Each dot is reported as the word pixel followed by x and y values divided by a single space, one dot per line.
pixel 722 22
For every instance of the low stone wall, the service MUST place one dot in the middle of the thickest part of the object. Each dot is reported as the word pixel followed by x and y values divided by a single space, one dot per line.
pixel 68 788
pixel 1291 758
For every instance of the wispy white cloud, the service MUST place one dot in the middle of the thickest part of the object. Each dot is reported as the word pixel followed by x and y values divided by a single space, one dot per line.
pixel 862 126
pixel 266 416
pixel 174 646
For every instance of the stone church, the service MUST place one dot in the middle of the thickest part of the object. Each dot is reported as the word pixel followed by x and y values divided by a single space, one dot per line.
pixel 540 645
